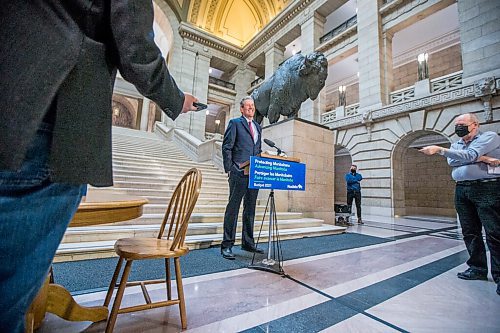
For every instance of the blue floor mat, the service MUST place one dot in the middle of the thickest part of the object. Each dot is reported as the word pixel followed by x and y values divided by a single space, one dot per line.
pixel 95 274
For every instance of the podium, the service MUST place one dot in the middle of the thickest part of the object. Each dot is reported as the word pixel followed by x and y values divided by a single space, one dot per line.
pixel 273 172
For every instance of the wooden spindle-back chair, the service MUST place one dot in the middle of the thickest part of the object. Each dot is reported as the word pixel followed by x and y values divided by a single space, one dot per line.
pixel 167 246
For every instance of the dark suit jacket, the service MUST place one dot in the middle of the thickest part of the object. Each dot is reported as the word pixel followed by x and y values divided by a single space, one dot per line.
pixel 238 144
pixel 63 56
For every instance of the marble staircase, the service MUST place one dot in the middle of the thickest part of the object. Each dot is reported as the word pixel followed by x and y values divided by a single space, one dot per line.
pixel 146 165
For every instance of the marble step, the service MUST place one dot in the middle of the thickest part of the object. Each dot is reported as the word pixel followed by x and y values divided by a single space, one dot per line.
pixel 165 173
pixel 142 154
pixel 114 231
pixel 208 186
pixel 174 162
pixel 105 249
pixel 159 151
pixel 140 192
pixel 201 200
pixel 162 208
pixel 173 171
pixel 206 217
pixel 207 181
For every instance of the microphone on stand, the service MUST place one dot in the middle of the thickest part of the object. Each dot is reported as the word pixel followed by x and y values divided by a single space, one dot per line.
pixel 273 145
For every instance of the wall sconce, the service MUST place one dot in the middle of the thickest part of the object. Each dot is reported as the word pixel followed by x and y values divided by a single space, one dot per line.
pixel 217 123
pixel 423 67
pixel 342 101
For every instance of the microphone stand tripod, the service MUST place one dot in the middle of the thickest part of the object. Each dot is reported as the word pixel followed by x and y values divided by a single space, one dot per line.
pixel 274 261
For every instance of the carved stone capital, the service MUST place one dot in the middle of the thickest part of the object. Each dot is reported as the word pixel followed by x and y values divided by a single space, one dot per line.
pixel 484 87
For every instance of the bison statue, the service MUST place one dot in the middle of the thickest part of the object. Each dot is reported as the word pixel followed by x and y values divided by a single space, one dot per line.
pixel 298 78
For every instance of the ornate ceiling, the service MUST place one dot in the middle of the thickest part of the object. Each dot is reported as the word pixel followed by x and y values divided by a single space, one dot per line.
pixel 235 21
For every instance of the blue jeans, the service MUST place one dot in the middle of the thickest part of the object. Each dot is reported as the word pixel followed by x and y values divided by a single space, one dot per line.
pixel 34 214
pixel 478 206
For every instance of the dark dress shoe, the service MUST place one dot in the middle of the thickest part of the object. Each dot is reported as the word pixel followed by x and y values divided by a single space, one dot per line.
pixel 227 253
pixel 472 274
pixel 252 249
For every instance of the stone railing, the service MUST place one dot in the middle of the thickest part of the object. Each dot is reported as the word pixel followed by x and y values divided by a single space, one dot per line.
pixel 339 29
pixel 258 80
pixel 221 83
pixel 352 109
pixel 402 95
pixel 328 116
pixel 452 80
pixel 331 115
pixel 194 148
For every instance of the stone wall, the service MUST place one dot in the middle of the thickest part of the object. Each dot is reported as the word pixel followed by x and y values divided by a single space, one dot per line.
pixel 313 144
pixel 480 37
pixel 441 63
pixel 351 96
pixel 428 186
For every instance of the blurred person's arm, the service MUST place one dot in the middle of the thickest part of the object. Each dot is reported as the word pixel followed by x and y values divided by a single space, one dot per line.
pixel 140 60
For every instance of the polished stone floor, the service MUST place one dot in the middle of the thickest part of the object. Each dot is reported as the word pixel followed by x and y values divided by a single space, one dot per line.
pixel 408 284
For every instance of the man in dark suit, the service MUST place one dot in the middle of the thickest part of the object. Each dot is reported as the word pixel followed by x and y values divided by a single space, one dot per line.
pixel 242 139
pixel 57 66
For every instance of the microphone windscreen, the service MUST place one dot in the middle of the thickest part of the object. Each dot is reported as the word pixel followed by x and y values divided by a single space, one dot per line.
pixel 269 142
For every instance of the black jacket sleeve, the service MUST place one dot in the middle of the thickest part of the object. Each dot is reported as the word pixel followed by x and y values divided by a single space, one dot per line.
pixel 139 59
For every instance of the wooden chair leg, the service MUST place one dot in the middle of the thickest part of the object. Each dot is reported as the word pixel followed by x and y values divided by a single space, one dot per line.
pixel 168 278
pixel 118 300
pixel 113 282
pixel 180 292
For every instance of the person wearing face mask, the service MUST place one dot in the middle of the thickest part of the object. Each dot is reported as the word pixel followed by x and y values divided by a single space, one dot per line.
pixel 353 180
pixel 477 193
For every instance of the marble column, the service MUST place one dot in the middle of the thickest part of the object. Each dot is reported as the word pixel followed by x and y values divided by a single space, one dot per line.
pixel 144 114
pixel 479 37
pixel 192 76
pixel 275 55
pixel 387 72
pixel 242 78
pixel 371 58
pixel 312 28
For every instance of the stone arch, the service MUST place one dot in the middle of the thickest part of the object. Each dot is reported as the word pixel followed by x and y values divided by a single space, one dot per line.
pixel 124 114
pixel 342 162
pixel 221 117
pixel 421 185
pixel 164 25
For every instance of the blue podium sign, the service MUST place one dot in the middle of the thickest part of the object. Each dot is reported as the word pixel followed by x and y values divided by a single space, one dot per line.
pixel 268 173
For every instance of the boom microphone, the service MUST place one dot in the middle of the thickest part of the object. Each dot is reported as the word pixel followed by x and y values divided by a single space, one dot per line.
pixel 270 143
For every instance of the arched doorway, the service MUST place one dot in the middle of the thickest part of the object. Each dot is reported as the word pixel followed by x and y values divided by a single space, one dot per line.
pixel 422 185
pixel 342 163
pixel 124 111
pixel 215 122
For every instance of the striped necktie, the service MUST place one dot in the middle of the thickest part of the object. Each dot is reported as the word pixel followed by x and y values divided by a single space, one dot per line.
pixel 251 130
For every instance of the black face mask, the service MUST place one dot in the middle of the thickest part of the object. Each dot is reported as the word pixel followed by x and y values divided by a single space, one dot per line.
pixel 461 130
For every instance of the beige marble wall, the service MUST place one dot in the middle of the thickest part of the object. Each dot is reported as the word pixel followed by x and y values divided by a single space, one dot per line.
pixel 313 144
pixel 480 37
pixel 441 63
pixel 429 188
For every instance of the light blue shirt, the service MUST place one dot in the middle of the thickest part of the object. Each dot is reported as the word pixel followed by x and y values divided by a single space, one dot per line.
pixel 462 156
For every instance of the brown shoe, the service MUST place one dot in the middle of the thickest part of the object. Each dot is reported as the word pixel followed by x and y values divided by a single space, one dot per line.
pixel 360 221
